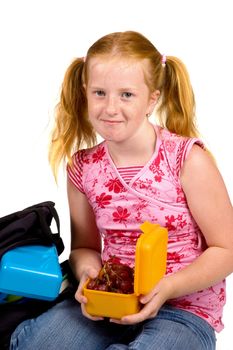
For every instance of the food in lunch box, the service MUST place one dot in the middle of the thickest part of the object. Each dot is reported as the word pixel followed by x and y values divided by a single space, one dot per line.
pixel 114 277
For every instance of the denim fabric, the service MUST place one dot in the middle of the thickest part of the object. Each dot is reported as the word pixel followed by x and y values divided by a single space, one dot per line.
pixel 64 327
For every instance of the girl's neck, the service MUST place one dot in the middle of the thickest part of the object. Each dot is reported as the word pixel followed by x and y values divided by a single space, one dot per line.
pixel 134 152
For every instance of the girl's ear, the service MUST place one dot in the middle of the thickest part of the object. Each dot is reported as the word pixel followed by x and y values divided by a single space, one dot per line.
pixel 154 97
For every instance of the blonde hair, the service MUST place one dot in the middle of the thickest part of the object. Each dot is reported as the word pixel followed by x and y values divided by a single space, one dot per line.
pixel 176 110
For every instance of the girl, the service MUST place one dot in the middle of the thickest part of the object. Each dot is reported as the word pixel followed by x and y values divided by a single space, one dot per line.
pixel 139 172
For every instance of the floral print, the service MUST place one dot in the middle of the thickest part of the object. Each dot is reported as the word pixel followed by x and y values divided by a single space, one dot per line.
pixel 98 155
pixel 115 185
pixel 120 215
pixel 103 200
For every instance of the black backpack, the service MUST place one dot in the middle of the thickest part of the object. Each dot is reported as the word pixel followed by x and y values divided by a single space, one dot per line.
pixel 30 226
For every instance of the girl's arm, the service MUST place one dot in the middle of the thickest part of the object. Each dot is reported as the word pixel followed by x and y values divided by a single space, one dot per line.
pixel 85 239
pixel 85 256
pixel 211 208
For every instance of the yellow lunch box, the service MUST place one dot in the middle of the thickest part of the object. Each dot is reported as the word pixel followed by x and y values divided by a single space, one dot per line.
pixel 150 267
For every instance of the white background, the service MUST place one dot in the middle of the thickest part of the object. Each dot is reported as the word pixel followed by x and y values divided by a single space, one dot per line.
pixel 38 39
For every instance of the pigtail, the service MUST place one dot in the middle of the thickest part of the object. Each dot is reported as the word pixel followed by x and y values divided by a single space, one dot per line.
pixel 177 108
pixel 72 127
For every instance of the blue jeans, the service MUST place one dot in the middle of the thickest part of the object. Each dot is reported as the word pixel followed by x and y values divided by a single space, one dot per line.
pixel 64 327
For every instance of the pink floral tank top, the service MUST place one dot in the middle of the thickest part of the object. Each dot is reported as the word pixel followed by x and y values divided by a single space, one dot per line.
pixel 154 194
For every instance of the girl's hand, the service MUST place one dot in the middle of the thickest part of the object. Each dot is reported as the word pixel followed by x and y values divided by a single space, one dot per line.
pixel 152 303
pixel 89 273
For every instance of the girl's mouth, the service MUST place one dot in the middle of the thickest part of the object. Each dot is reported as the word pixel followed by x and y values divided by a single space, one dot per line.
pixel 111 121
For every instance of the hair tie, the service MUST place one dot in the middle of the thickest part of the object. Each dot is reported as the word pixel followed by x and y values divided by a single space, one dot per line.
pixel 164 60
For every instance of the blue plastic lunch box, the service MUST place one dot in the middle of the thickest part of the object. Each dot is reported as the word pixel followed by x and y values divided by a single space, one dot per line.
pixel 31 271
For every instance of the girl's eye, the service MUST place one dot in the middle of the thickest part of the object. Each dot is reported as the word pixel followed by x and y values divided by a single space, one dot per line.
pixel 127 94
pixel 99 93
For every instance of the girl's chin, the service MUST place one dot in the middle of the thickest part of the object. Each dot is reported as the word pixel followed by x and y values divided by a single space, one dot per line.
pixel 114 137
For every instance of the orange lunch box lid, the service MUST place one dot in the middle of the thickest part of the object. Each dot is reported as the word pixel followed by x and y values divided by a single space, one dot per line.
pixel 150 257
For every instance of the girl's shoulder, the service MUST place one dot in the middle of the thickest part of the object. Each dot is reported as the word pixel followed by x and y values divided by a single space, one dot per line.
pixel 172 141
pixel 84 161
pixel 164 134
pixel 176 148
pixel 91 153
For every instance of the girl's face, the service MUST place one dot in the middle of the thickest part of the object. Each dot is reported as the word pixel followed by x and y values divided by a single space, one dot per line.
pixel 118 98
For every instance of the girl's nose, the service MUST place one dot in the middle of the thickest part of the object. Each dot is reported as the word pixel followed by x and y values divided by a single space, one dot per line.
pixel 111 106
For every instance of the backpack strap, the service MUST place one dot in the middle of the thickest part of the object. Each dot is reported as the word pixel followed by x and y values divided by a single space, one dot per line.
pixel 45 212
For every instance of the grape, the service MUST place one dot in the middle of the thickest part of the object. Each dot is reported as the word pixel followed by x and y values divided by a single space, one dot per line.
pixel 114 277
pixel 102 287
pixel 91 284
pixel 126 286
